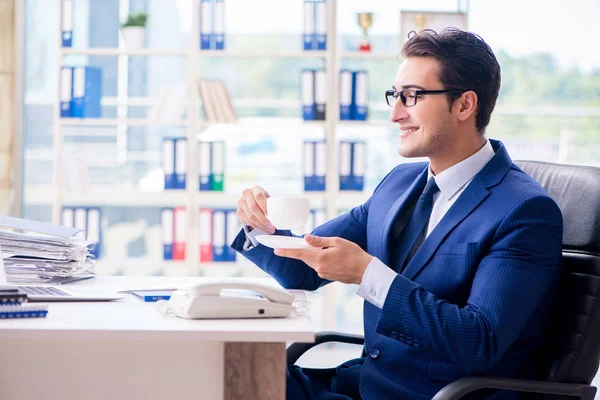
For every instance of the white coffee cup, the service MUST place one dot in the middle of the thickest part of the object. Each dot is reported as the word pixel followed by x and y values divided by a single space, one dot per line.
pixel 288 212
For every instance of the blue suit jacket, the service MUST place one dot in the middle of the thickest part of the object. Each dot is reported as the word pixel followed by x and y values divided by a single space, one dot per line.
pixel 473 300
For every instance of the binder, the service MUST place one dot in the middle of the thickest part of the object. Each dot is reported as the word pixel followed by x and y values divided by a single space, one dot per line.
pixel 66 23
pixel 67 217
pixel 309 165
pixel 80 222
pixel 345 165
pixel 93 229
pixel 358 165
pixel 321 24
pixel 66 92
pixel 205 235
pixel 167 226
pixel 307 83
pixel 204 165
pixel 320 95
pixel 361 95
pixel 309 33
pixel 320 165
pixel 179 236
pixel 12 297
pixel 168 159
pixel 218 230
pixel 345 95
pixel 233 227
pixel 181 152
pixel 219 27
pixel 206 24
pixel 217 166
pixel 87 92
pixel 25 310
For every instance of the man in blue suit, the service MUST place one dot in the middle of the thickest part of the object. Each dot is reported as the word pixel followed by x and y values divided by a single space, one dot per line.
pixel 457 259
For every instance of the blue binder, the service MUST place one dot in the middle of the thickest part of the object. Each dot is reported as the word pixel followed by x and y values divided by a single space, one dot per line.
pixel 206 24
pixel 320 164
pixel 360 95
pixel 94 233
pixel 320 89
pixel 321 24
pixel 168 159
pixel 87 92
pixel 309 35
pixel 219 226
pixel 219 25
pixel 66 92
pixel 181 153
pixel 308 154
pixel 167 229
pixel 346 94
pixel 307 90
pixel 66 22
pixel 358 165
pixel 345 169
pixel 231 231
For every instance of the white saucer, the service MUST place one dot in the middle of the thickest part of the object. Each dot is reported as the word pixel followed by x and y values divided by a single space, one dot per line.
pixel 284 242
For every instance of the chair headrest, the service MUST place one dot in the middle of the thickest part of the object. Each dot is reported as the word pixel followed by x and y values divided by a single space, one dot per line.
pixel 576 190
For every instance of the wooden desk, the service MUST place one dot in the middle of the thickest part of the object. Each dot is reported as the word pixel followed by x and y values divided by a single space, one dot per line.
pixel 127 350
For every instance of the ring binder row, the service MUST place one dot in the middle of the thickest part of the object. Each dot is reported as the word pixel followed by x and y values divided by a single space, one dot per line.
pixel 354 95
pixel 23 310
pixel 211 164
pixel 314 35
pixel 80 92
pixel 212 25
pixel 217 228
pixel 89 220
pixel 352 163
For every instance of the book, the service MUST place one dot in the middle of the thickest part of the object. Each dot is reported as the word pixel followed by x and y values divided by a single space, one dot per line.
pixel 12 297
pixel 151 296
pixel 25 310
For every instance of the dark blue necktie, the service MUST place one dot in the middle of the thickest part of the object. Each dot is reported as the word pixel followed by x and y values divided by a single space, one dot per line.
pixel 413 233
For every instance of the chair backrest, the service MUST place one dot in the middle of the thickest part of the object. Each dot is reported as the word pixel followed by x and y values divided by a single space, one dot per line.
pixel 571 348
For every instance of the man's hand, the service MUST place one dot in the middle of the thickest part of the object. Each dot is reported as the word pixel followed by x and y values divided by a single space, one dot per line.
pixel 252 209
pixel 339 260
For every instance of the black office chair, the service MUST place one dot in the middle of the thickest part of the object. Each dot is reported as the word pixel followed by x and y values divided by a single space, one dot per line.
pixel 568 358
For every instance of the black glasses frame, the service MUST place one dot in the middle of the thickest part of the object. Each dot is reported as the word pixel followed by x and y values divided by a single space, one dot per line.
pixel 404 93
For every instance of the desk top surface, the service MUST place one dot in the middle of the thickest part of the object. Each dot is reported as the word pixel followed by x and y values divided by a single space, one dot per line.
pixel 133 319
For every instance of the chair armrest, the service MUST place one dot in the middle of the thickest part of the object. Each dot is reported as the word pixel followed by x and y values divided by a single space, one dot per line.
pixel 461 387
pixel 295 350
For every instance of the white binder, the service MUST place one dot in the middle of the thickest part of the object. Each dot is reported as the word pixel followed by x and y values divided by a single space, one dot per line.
pixel 309 166
pixel 345 95
pixel 345 165
pixel 308 94
pixel 321 24
pixel 320 95
pixel 168 158
pixel 309 32
pixel 320 165
pixel 181 152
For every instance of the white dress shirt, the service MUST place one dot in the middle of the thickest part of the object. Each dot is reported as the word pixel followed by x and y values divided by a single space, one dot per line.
pixel 378 277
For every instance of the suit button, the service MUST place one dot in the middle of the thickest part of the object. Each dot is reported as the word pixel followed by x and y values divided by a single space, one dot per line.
pixel 409 340
pixel 416 343
pixel 394 335
pixel 374 354
pixel 401 337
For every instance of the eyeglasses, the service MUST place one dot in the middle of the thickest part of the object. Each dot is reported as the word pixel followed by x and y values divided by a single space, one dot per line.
pixel 409 96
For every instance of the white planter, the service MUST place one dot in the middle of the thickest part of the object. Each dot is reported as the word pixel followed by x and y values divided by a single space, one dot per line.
pixel 133 36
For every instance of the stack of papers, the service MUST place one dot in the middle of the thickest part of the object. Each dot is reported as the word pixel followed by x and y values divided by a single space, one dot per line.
pixel 46 259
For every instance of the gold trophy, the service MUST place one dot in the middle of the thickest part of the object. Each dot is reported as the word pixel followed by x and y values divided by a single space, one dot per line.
pixel 365 20
pixel 420 21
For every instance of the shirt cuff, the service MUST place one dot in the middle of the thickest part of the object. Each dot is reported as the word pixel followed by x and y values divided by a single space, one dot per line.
pixel 376 282
pixel 251 234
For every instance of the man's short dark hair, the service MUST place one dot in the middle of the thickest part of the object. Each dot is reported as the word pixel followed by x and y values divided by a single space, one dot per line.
pixel 466 63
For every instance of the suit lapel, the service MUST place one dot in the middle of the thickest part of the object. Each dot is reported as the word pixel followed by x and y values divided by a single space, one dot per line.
pixel 477 191
pixel 398 208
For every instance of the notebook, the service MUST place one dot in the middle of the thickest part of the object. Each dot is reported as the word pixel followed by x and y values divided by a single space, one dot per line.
pixel 24 310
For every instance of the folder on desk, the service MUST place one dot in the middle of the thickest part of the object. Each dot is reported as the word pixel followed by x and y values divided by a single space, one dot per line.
pixel 87 92
pixel 206 24
pixel 219 26
pixel 167 225
pixel 168 159
pixel 66 22
pixel 181 152
pixel 321 24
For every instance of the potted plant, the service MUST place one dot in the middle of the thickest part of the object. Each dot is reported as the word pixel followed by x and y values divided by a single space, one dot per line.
pixel 134 30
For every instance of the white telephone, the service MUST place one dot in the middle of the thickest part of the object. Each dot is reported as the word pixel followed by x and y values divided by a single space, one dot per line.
pixel 231 299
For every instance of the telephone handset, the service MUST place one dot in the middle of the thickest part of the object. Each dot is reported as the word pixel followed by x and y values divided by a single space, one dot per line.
pixel 231 299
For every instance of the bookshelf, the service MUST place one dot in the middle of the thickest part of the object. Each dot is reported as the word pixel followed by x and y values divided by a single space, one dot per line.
pixel 332 200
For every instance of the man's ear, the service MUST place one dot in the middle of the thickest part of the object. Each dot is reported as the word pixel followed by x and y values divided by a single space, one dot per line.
pixel 466 105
